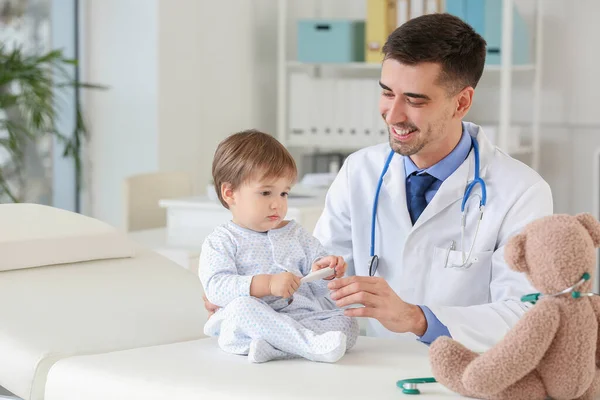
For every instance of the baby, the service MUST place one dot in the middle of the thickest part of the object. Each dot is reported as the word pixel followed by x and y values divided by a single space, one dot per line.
pixel 251 266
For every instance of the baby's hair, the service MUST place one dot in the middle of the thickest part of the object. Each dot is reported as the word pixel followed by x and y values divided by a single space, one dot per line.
pixel 250 154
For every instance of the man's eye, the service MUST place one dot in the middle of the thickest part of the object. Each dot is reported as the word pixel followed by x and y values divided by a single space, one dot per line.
pixel 387 94
pixel 413 103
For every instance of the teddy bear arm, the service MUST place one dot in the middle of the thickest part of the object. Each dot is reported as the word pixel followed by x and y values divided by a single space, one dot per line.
pixel 518 353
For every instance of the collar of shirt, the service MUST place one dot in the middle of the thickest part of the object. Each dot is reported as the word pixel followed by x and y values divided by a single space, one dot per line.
pixel 445 167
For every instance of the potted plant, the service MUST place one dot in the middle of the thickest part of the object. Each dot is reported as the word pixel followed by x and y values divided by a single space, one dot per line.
pixel 31 89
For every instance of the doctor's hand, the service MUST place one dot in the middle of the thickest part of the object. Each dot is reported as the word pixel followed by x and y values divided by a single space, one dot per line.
pixel 380 302
pixel 335 262
pixel 283 284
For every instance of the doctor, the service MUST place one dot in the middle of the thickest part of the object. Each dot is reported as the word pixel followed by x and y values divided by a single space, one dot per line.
pixel 425 280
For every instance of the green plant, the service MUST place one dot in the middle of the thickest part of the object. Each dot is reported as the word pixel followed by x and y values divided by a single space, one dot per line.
pixel 31 93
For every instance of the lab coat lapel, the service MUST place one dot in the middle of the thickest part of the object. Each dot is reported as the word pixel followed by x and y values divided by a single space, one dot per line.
pixel 453 188
pixel 394 183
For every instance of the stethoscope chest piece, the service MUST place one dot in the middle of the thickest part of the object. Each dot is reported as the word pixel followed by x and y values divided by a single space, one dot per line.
pixel 373 263
pixel 409 386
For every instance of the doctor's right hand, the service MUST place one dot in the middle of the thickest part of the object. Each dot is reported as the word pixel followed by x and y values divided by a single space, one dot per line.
pixel 284 284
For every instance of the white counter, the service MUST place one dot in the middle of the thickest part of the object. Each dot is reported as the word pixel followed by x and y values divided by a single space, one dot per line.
pixel 188 219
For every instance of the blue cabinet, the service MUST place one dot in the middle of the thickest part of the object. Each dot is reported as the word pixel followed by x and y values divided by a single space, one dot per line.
pixel 485 16
pixel 331 41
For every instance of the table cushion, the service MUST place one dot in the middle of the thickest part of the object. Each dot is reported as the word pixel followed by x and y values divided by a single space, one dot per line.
pixel 200 370
pixel 34 235
pixel 54 312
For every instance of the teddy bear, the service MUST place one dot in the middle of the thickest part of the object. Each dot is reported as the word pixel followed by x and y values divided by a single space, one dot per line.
pixel 553 350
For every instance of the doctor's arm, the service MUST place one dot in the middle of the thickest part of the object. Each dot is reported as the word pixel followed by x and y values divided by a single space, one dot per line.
pixel 333 229
pixel 480 327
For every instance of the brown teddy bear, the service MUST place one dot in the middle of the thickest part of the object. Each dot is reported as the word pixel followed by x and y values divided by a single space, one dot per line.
pixel 553 350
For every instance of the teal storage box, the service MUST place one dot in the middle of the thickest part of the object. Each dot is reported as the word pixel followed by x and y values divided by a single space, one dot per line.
pixel 331 41
pixel 485 16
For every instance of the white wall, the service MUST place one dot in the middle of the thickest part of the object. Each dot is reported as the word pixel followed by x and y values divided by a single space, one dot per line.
pixel 206 80
pixel 120 52
pixel 570 117
pixel 183 74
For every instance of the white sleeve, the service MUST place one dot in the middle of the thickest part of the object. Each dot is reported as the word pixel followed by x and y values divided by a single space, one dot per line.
pixel 480 327
pixel 334 229
pixel 218 271
pixel 314 250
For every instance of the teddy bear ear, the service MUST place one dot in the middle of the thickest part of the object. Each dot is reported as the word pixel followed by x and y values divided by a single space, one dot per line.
pixel 514 253
pixel 592 225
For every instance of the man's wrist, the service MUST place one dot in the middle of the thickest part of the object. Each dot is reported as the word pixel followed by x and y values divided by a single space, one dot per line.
pixel 419 326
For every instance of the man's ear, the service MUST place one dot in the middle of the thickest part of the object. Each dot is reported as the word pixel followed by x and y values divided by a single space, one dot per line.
pixel 227 193
pixel 464 102
pixel 592 225
pixel 514 253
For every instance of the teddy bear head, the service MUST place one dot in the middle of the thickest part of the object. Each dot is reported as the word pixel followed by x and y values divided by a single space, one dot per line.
pixel 555 251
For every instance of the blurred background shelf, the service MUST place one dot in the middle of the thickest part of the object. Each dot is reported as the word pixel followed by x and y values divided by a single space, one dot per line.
pixel 333 106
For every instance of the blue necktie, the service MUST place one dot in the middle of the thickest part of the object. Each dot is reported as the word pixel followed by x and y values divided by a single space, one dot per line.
pixel 415 194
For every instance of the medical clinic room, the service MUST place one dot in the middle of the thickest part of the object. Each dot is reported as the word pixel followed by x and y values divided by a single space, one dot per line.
pixel 299 199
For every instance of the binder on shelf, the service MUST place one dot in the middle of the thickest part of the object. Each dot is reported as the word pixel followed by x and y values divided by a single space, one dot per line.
pixel 299 101
pixel 485 16
pixel 355 103
pixel 403 11
pixel 315 107
pixel 380 127
pixel 327 100
pixel 340 109
pixel 381 22
pixel 369 109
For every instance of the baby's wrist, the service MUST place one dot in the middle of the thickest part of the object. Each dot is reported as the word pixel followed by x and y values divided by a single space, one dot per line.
pixel 270 284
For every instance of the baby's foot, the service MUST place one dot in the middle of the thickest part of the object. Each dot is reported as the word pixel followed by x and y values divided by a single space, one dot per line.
pixel 261 351
pixel 328 347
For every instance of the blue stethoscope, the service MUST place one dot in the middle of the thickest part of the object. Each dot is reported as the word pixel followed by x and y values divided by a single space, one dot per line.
pixel 374 259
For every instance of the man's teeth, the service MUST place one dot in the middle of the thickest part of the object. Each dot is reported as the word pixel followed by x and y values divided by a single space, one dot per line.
pixel 404 132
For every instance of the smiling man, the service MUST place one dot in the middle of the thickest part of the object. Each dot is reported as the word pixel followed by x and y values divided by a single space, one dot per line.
pixel 394 210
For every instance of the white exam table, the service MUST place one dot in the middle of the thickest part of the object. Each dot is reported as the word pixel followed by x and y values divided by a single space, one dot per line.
pixel 115 321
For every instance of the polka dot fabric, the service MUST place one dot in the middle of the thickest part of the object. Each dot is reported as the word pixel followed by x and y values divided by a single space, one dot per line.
pixel 269 328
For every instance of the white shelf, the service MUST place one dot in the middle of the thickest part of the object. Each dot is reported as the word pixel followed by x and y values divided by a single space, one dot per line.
pixel 359 70
pixel 522 68
pixel 364 66
pixel 353 65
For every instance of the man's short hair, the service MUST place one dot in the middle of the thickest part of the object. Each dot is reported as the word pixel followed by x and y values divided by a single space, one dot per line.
pixel 443 39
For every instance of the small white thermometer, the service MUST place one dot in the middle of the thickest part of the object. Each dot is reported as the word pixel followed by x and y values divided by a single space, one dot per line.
pixel 320 274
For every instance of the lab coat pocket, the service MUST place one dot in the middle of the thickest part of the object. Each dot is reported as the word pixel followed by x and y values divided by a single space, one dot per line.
pixel 453 284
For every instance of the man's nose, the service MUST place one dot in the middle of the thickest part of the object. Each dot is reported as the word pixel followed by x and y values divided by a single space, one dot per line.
pixel 397 113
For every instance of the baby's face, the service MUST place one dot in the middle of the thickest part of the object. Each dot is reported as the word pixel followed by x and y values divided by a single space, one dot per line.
pixel 261 205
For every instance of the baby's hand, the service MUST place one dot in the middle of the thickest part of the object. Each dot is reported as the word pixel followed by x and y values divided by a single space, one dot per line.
pixel 336 262
pixel 284 284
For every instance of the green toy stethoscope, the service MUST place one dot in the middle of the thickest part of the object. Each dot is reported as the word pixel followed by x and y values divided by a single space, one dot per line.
pixel 477 180
pixel 409 386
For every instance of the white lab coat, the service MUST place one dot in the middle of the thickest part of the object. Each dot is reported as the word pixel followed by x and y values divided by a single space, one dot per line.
pixel 478 305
